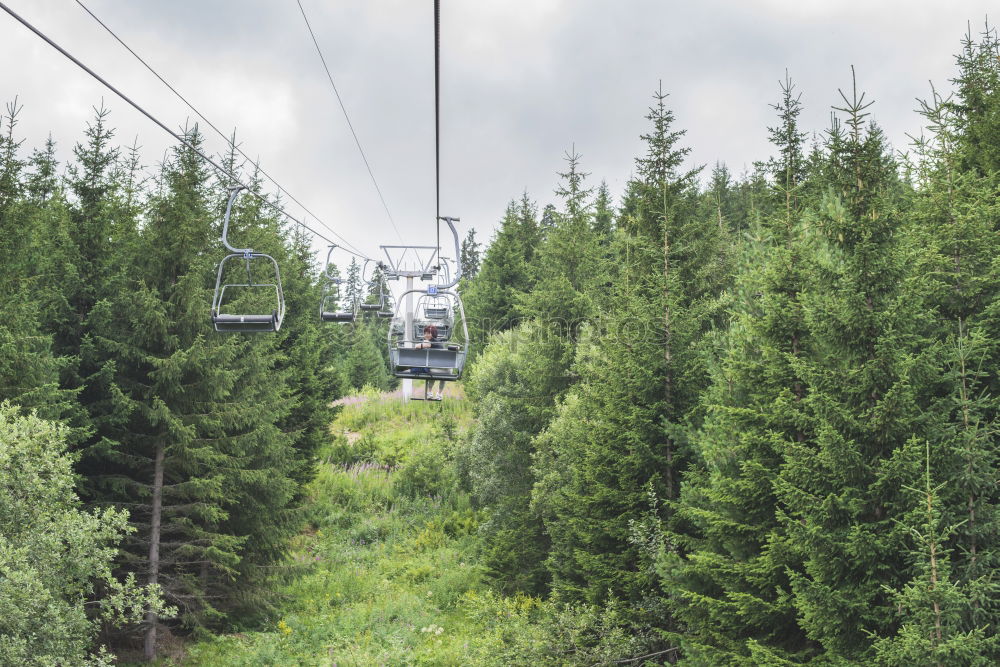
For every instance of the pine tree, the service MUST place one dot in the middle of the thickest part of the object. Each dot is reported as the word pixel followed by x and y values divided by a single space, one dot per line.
pixel 726 563
pixel 639 383
pixel 490 298
pixel 29 367
pixel 470 255
pixel 514 385
pixel 565 265
pixel 978 93
pixel 933 605
pixel 190 441
pixel 954 211
pixel 365 363
pixel 353 286
pixel 839 491
pixel 521 375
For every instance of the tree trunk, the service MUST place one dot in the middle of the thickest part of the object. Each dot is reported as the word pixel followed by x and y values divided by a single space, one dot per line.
pixel 667 381
pixel 149 642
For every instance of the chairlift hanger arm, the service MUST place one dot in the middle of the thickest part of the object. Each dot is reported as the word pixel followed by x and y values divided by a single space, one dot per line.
pixel 458 253
pixel 234 192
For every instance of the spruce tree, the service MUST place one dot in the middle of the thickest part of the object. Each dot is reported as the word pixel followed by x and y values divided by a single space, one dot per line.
pixel 519 378
pixel 470 255
pixel 190 441
pixel 490 298
pixel 727 564
pixel 638 385
pixel 30 368
pixel 841 503
pixel 513 385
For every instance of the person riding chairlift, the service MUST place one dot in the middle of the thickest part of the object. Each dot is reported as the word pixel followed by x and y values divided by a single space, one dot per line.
pixel 430 341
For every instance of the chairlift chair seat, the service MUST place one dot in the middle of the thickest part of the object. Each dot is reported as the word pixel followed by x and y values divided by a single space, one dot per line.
pixel 335 316
pixel 246 323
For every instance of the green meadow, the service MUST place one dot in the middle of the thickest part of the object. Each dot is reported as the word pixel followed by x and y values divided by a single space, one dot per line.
pixel 387 571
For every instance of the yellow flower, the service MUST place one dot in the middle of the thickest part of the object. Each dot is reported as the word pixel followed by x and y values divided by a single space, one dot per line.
pixel 284 627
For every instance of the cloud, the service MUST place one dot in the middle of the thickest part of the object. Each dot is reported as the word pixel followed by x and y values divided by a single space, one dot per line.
pixel 521 83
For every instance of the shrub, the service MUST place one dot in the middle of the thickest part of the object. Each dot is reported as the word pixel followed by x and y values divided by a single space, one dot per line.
pixel 55 557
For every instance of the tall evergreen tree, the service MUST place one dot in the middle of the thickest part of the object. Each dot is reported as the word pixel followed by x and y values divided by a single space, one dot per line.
pixel 30 368
pixel 725 564
pixel 839 492
pixel 190 442
pixel 638 385
pixel 490 298
pixel 470 255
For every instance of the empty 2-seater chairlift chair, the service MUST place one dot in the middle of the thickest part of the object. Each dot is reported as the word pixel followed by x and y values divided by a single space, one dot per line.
pixel 254 321
pixel 330 309
pixel 433 310
pixel 379 308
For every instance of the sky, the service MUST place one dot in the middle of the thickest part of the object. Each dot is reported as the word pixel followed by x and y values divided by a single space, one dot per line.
pixel 522 83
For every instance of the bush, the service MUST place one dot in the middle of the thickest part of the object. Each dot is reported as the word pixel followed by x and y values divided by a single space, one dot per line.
pixel 56 558
pixel 425 473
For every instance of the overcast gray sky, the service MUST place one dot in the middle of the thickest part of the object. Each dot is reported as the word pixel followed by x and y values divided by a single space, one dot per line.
pixel 522 81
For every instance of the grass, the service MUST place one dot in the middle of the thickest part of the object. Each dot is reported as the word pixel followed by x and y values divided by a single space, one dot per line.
pixel 390 571
pixel 389 553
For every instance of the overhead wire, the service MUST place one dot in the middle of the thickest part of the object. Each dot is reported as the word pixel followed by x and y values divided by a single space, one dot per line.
pixel 437 124
pixel 347 117
pixel 212 125
pixel 178 137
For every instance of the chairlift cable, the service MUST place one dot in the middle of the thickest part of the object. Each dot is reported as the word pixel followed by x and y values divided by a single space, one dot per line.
pixel 178 137
pixel 437 124
pixel 211 124
pixel 350 125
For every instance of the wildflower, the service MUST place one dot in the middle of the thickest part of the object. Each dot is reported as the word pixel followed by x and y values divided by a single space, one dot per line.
pixel 285 630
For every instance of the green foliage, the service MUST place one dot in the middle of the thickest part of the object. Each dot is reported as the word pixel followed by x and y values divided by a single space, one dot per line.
pixel 622 426
pixel 514 384
pixel 364 364
pixel 978 96
pixel 933 605
pixel 733 421
pixel 57 559
pixel 523 630
pixel 490 298
pixel 471 255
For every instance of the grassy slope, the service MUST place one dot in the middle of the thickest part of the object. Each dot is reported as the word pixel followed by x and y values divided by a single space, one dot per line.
pixel 389 572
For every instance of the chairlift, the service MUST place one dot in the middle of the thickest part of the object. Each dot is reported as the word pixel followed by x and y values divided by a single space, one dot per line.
pixel 252 322
pixel 444 360
pixel 330 309
pixel 379 307
pixel 433 308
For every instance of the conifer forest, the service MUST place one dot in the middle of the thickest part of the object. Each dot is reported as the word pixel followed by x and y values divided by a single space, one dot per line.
pixel 707 419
